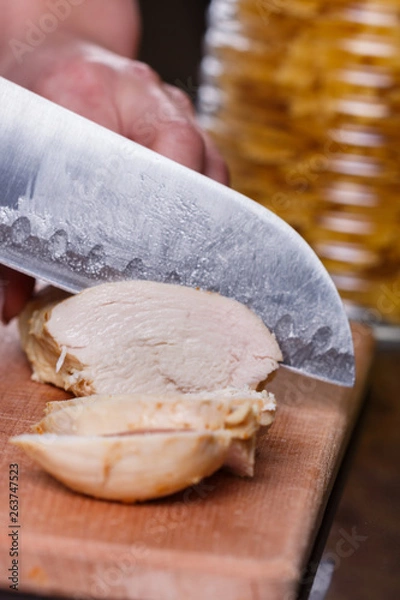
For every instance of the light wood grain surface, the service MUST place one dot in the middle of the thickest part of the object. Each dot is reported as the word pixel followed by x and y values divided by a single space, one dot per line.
pixel 224 538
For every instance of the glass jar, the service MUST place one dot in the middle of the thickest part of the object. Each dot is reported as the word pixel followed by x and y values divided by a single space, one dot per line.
pixel 303 99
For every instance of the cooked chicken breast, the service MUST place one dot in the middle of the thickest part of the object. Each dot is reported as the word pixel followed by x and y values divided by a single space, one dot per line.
pixel 142 336
pixel 137 447
pixel 241 414
pixel 128 468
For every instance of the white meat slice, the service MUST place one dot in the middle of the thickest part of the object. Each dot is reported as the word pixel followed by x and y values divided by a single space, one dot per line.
pixel 240 414
pixel 128 468
pixel 142 336
pixel 137 447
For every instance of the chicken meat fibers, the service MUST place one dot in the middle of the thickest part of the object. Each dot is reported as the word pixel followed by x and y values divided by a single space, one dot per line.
pixel 171 373
pixel 145 337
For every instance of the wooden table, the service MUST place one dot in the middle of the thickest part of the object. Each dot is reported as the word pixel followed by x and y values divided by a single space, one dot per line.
pixel 227 537
pixel 370 503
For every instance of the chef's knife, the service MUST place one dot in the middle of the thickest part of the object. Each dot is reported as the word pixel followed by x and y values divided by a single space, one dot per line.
pixel 81 205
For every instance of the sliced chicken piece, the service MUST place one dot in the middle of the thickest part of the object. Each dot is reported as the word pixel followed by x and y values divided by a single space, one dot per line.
pixel 128 468
pixel 238 414
pixel 242 412
pixel 142 336
pixel 137 447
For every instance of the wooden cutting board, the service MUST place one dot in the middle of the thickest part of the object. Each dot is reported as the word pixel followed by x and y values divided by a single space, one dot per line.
pixel 224 538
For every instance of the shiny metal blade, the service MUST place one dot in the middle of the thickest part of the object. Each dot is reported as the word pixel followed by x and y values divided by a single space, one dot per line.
pixel 81 205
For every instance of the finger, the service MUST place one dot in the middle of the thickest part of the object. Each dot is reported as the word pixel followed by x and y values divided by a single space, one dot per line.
pixel 180 141
pixel 150 116
pixel 16 291
pixel 82 87
pixel 181 100
pixel 214 164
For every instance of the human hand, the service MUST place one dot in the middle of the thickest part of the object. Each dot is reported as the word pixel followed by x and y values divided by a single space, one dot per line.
pixel 123 95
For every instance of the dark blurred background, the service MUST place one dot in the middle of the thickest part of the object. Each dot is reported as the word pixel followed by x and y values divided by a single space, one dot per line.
pixel 172 39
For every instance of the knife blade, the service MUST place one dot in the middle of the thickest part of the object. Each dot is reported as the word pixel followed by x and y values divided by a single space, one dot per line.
pixel 81 205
